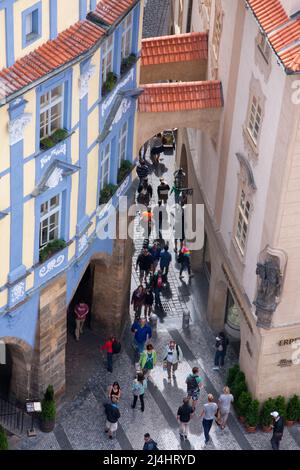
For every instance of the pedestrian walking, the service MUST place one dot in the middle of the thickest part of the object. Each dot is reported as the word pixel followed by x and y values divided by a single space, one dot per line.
pixel 81 311
pixel 148 302
pixel 165 260
pixel 278 428
pixel 155 251
pixel 160 221
pixel 142 332
pixel 112 416
pixel 157 283
pixel 142 170
pixel 139 387
pixel 108 347
pixel 172 358
pixel 137 300
pixel 156 148
pixel 145 193
pixel 224 403
pixel 179 227
pixel 149 444
pixel 163 191
pixel 184 414
pixel 146 222
pixel 148 360
pixel 184 259
pixel 145 264
pixel 114 391
pixel 194 384
pixel 221 348
pixel 208 414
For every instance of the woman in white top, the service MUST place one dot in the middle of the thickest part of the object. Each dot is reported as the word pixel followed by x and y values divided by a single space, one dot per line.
pixel 224 402
pixel 172 357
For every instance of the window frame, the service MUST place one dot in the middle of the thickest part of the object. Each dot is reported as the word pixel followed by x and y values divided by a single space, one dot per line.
pixel 104 53
pixel 239 236
pixel 57 209
pixel 30 38
pixel 123 140
pixel 251 126
pixel 105 156
pixel 264 47
pixel 46 108
pixel 127 29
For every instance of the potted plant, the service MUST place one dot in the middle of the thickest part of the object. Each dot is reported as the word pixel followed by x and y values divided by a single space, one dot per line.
pixel 127 63
pixel 242 405
pixel 280 406
pixel 232 372
pixel 51 248
pixel 107 192
pixel 239 385
pixel 124 170
pixel 265 418
pixel 292 410
pixel 59 135
pixel 252 416
pixel 3 439
pixel 48 414
pixel 110 83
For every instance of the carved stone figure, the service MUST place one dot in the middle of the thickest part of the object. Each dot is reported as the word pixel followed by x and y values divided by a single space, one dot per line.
pixel 270 282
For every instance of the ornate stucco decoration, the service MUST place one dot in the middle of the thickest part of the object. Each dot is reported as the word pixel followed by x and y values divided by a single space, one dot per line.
pixel 270 271
pixel 84 80
pixel 54 175
pixel 17 126
pixel 246 173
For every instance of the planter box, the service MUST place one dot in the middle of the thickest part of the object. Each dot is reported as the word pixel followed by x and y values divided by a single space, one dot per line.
pixel 47 426
pixel 266 428
pixel 289 423
pixel 250 429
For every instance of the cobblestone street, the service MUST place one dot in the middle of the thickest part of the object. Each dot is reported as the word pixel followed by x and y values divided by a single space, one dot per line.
pixel 81 420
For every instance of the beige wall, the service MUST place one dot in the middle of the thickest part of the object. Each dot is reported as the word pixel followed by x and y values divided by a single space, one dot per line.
pixel 189 71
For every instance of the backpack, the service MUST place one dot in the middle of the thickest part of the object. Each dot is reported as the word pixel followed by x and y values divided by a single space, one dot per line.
pixel 159 282
pixel 192 383
pixel 116 347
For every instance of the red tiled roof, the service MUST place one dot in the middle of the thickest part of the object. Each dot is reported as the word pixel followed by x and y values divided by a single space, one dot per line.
pixel 182 96
pixel 110 10
pixel 283 33
pixel 176 48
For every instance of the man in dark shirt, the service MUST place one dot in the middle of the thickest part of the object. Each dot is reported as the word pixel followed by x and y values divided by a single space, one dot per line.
pixel 150 444
pixel 142 170
pixel 144 262
pixel 163 191
pixel 184 414
pixel 278 427
pixel 112 416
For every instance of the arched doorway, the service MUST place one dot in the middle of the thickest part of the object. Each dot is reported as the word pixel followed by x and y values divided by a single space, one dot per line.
pixel 15 372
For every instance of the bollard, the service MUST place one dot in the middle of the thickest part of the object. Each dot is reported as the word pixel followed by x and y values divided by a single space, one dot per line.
pixel 186 320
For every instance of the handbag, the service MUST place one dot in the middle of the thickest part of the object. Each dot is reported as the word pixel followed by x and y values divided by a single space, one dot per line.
pixel 165 365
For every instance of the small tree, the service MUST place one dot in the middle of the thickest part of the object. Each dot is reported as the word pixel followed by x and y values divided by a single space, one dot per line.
pixel 265 418
pixel 279 405
pixel 239 385
pixel 243 403
pixel 252 415
pixel 293 409
pixel 3 439
pixel 48 405
pixel 232 372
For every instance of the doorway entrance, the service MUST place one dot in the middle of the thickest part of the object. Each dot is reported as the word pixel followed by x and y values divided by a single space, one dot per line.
pixel 84 294
pixel 6 374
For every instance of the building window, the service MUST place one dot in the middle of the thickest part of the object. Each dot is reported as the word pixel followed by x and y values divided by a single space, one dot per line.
pixel 263 46
pixel 32 24
pixel 107 57
pixel 50 221
pixel 51 111
pixel 127 37
pixel 254 120
pixel 123 143
pixel 242 225
pixel 105 166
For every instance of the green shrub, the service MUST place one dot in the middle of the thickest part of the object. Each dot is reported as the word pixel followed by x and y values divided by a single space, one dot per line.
pixel 48 405
pixel 59 135
pixel 239 385
pixel 107 192
pixel 265 418
pixel 293 409
pixel 243 403
pixel 280 406
pixel 47 143
pixel 127 63
pixel 3 439
pixel 51 249
pixel 124 170
pixel 232 372
pixel 110 83
pixel 252 415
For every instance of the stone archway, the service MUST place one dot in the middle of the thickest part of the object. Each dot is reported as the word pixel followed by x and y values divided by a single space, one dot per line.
pixel 19 368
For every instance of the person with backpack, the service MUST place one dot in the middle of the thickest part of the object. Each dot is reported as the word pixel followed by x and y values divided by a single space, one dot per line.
pixel 221 348
pixel 112 416
pixel 142 170
pixel 165 260
pixel 155 253
pixel 148 360
pixel 148 302
pixel 145 193
pixel 145 264
pixel 157 283
pixel 142 331
pixel 172 358
pixel 139 387
pixel 149 444
pixel 137 300
pixel 184 414
pixel 108 347
pixel 194 384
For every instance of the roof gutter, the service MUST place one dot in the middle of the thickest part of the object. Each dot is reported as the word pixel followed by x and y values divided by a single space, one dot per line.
pixel 72 62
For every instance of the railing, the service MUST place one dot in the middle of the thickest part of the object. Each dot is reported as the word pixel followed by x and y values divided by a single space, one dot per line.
pixel 12 417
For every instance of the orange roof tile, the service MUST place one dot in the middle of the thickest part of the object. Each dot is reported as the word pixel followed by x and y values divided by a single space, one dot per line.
pixel 283 33
pixel 175 48
pixel 110 10
pixel 183 96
